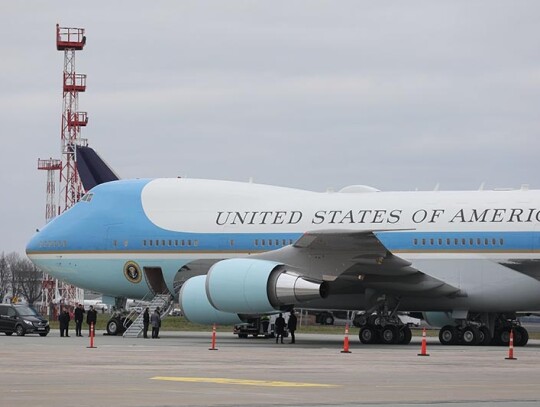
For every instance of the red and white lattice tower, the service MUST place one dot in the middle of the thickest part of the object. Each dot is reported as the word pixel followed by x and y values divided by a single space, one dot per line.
pixel 68 40
pixel 71 40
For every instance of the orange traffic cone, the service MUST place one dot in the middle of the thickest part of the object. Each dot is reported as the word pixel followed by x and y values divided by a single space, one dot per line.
pixel 92 334
pixel 213 338
pixel 346 340
pixel 423 350
pixel 511 347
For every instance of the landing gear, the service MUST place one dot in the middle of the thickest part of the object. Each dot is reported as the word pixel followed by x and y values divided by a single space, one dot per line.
pixel 384 325
pixel 483 330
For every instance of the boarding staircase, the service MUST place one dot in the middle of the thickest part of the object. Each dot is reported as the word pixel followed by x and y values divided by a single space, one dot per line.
pixel 165 302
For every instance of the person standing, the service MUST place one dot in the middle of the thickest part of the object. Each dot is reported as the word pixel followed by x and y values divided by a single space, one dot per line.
pixel 156 323
pixel 62 322
pixel 280 327
pixel 91 319
pixel 291 324
pixel 64 319
pixel 79 317
pixel 146 322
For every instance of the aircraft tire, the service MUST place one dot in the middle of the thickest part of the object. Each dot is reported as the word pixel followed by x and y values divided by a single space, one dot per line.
pixel 485 336
pixel 502 337
pixel 522 336
pixel 113 326
pixel 405 336
pixel 448 335
pixel 470 336
pixel 390 335
pixel 368 335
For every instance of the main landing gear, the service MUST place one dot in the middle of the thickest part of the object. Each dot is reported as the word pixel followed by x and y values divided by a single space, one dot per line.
pixel 384 326
pixel 483 330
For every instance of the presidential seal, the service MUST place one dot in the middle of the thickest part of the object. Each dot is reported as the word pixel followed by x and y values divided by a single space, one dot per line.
pixel 132 272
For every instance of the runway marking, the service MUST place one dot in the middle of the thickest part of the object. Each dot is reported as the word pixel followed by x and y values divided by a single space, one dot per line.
pixel 242 382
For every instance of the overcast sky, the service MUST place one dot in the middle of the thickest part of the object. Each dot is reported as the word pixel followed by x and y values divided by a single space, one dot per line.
pixel 312 94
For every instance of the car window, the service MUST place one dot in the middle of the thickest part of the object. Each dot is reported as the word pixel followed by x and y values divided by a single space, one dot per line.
pixel 3 310
pixel 11 312
pixel 26 311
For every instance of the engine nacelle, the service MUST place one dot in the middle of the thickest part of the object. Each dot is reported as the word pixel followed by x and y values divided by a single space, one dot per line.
pixel 196 308
pixel 249 286
pixel 439 319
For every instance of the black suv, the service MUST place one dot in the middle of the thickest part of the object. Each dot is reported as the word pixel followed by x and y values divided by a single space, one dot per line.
pixel 22 320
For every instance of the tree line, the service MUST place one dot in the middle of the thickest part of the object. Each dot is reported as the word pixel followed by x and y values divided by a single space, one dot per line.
pixel 19 278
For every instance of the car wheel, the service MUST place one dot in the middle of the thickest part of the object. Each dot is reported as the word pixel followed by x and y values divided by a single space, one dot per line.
pixel 9 333
pixel 19 330
pixel 43 333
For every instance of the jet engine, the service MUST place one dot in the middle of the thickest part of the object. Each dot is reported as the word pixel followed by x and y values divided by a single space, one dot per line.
pixel 238 287
pixel 250 286
pixel 196 308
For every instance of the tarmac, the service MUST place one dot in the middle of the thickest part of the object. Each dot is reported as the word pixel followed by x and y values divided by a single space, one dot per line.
pixel 179 370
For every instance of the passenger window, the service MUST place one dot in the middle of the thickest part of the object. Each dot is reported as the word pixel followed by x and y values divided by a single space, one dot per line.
pixel 256 242
pixel 424 242
pixel 431 242
pixel 231 242
pixel 143 243
pixel 415 242
pixel 440 242
pixel 176 242
pixel 263 242
pixel 195 243
pixel 157 242
pixel 494 242
pixel 448 242
pixel 501 241
pixel 189 242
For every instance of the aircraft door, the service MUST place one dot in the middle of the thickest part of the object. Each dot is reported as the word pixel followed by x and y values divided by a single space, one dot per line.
pixel 155 280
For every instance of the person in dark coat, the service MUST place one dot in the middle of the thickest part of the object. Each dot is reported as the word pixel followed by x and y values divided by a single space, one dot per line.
pixel 91 318
pixel 291 324
pixel 79 317
pixel 155 319
pixel 280 327
pixel 64 319
pixel 146 322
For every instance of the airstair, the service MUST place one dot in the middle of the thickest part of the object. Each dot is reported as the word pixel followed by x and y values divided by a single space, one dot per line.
pixel 165 303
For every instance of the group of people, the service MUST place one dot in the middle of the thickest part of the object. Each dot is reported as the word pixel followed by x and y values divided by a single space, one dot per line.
pixel 280 325
pixel 154 319
pixel 78 315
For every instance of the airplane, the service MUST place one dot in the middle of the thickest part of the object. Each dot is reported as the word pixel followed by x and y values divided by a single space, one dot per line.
pixel 469 261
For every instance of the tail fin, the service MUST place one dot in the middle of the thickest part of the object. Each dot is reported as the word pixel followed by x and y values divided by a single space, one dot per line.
pixel 92 168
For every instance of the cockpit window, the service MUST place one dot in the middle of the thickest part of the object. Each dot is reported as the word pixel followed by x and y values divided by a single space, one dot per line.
pixel 87 197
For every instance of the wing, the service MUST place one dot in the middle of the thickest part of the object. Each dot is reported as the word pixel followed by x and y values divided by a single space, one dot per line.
pixel 359 259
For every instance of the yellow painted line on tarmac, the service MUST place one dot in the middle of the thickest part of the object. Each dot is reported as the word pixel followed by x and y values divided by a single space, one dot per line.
pixel 241 382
